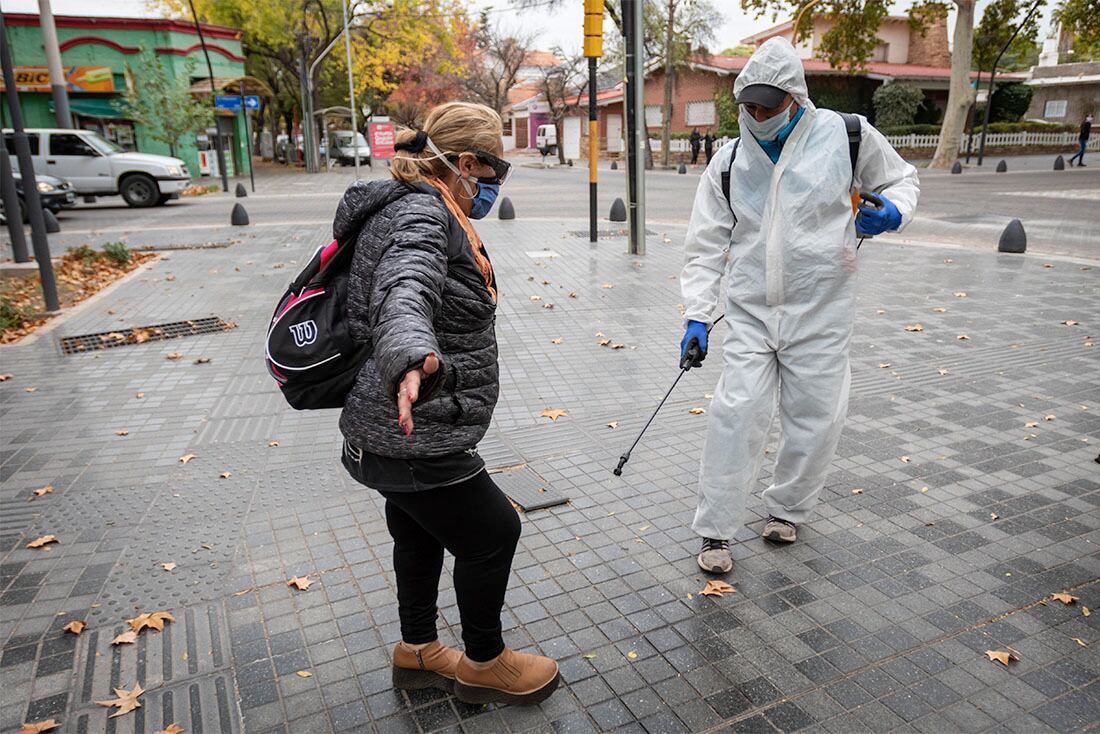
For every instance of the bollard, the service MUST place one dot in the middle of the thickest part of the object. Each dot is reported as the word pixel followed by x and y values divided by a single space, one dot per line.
pixel 1002 166
pixel 52 225
pixel 241 190
pixel 1013 239
pixel 239 215
pixel 957 168
pixel 682 169
pixel 506 210
pixel 614 165
pixel 618 211
pixel 1059 164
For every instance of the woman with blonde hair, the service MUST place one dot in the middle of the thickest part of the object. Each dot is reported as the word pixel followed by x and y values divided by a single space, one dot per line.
pixel 422 293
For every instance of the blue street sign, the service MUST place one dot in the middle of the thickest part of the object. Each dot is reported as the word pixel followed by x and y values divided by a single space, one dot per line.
pixel 227 101
pixel 252 102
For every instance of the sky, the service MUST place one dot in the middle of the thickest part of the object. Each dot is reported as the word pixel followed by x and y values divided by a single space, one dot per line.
pixel 559 27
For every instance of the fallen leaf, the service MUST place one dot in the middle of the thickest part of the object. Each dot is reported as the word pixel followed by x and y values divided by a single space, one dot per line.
pixel 881 311
pixel 857 490
pixel 914 327
pixel 76 626
pixel 942 371
pixel 187 457
pixel 1069 322
pixel 613 424
pixel 1049 418
pixel 536 298
pixel 1048 265
pixel 553 414
pixel 618 346
pixel 304 674
pixel 994 516
pixel 152 620
pixel 548 306
pixel 960 294
pixel 123 432
pixel 202 360
pixel 5 378
pixel 599 334
pixel 173 355
pixel 272 444
pixel 1085 611
pixel 1079 641
pixel 905 459
pixel 940 310
pixel 607 286
pixel 39 726
pixel 171 729
pixel 715 587
pixel 1064 597
pixel 1001 656
pixel 963 337
pixel 126 702
pixel 573 294
pixel 225 475
pixel 128 637
pixel 31 389
pixel 140 395
pixel 44 540
pixel 948 261
pixel 169 277
pixel 588 656
pixel 48 489
pixel 697 411
pixel 924 490
pixel 168 566
pixel 1031 424
pixel 632 655
pixel 883 365
pixel 300 582
pixel 556 341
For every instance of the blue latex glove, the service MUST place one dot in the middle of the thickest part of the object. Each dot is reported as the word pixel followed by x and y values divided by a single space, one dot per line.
pixel 695 342
pixel 870 221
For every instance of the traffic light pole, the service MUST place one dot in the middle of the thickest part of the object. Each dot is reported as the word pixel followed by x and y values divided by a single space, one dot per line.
pixel 635 128
pixel 593 49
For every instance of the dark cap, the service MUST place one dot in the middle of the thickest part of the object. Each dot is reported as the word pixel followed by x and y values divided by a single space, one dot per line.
pixel 764 95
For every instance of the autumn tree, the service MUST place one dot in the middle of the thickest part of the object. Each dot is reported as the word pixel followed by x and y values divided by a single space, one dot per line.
pixel 1082 19
pixel 562 86
pixel 163 104
pixel 999 21
pixel 494 63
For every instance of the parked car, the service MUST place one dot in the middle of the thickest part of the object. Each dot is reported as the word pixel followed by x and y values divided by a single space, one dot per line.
pixel 54 193
pixel 97 167
pixel 546 139
pixel 342 144
pixel 283 140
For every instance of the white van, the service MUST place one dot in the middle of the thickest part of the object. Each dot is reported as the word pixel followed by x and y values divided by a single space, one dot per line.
pixel 546 139
pixel 342 147
pixel 97 167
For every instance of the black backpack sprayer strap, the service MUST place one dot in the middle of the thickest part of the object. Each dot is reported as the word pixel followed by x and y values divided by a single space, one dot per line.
pixel 688 360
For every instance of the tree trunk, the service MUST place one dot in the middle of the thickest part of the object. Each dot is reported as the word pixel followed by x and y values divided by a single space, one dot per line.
pixel 558 128
pixel 961 95
pixel 666 108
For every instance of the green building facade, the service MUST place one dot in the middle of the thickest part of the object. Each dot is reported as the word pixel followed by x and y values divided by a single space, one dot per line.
pixel 89 44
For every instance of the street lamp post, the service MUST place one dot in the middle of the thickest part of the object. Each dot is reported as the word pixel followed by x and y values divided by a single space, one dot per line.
pixel 982 39
pixel 993 75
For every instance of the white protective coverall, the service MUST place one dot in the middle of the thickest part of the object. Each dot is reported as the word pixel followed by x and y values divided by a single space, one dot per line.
pixel 789 259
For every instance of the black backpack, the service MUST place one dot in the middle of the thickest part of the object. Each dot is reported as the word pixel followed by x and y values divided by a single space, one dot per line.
pixel 852 126
pixel 310 351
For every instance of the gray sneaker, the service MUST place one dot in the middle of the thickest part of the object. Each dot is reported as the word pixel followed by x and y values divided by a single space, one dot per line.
pixel 715 556
pixel 779 530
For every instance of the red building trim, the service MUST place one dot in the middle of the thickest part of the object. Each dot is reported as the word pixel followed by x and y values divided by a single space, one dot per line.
pixel 125 24
pixel 162 51
pixel 82 40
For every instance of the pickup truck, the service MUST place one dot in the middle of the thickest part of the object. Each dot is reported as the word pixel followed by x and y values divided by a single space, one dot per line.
pixel 97 167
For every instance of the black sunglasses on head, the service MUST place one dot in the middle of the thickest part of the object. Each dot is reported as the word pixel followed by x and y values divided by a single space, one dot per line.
pixel 501 167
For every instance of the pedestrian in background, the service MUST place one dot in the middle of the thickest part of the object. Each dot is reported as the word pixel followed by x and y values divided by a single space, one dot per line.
pixel 694 140
pixel 708 145
pixel 422 291
pixel 1083 139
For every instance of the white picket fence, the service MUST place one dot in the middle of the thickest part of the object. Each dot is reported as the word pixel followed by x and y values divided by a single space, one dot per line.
pixel 993 140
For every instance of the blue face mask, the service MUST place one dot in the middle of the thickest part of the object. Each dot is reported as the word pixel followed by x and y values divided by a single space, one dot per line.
pixel 483 202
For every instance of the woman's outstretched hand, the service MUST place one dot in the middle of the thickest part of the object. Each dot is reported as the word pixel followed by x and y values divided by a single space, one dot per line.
pixel 409 391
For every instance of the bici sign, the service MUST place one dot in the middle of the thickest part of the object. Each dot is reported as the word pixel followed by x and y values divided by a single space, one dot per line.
pixel 77 78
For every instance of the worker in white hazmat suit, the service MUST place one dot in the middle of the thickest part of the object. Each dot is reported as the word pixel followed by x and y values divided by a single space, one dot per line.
pixel 786 242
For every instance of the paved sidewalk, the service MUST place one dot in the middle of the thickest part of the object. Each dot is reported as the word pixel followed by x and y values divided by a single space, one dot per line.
pixel 878 619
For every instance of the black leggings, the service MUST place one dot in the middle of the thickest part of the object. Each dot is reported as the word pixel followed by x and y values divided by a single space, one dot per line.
pixel 477 524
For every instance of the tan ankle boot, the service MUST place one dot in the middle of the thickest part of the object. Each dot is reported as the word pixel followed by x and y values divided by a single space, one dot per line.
pixel 514 677
pixel 432 666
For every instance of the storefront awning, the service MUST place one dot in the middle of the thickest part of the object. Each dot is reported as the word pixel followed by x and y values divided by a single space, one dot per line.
pixel 232 85
pixel 102 107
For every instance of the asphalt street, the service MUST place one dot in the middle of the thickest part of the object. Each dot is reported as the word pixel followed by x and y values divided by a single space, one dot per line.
pixel 1060 210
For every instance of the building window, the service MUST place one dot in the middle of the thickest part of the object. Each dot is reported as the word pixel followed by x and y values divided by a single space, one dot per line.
pixel 1055 108
pixel 653 115
pixel 881 53
pixel 700 113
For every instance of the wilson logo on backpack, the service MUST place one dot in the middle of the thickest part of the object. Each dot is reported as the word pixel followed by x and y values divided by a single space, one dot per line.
pixel 304 333
pixel 310 351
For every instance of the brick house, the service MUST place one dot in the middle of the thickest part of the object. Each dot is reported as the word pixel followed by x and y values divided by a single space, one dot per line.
pixel 1065 93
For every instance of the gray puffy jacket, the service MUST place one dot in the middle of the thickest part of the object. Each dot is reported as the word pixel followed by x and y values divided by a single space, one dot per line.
pixel 415 289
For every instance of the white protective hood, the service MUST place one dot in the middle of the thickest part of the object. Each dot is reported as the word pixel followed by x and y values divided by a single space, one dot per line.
pixel 775 63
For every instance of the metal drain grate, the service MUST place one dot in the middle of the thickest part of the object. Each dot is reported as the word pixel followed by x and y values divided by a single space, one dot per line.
pixel 608 233
pixel 142 334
